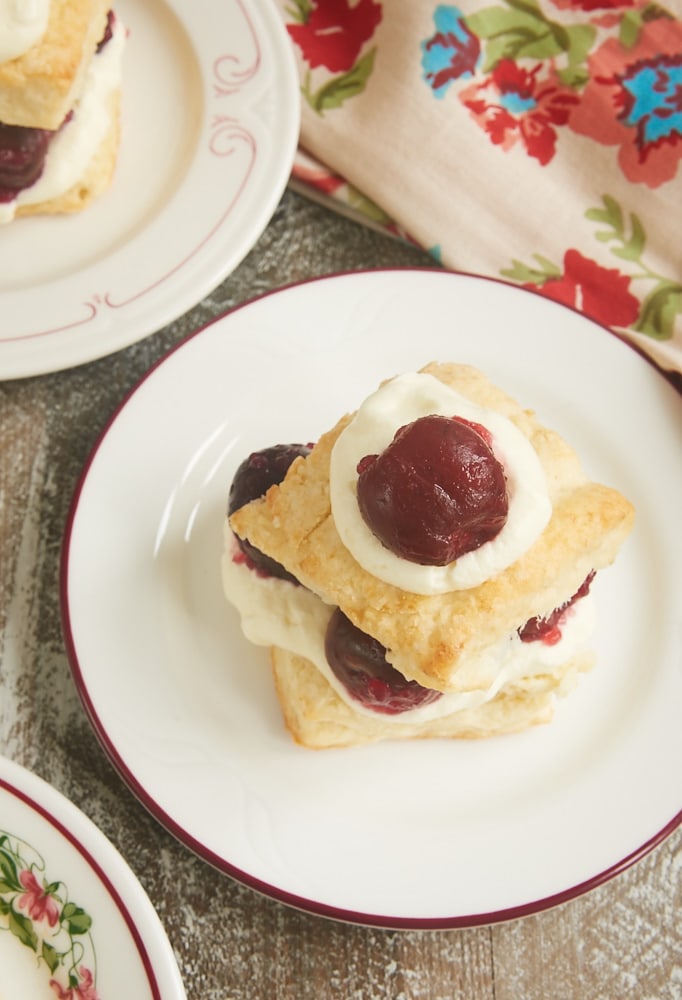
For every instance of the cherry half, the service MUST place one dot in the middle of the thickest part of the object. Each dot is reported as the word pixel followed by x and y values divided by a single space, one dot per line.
pixel 436 492
pixel 359 661
pixel 253 478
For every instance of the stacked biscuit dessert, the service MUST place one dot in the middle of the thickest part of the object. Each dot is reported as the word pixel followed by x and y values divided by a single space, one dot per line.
pixel 423 570
pixel 60 81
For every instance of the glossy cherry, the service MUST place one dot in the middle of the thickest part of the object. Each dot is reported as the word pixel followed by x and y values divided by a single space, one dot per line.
pixel 360 663
pixel 254 477
pixel 436 492
pixel 22 157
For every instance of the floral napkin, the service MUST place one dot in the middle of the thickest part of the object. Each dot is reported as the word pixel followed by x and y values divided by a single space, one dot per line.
pixel 536 141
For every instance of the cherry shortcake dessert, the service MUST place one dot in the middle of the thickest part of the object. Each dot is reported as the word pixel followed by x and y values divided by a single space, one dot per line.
pixel 60 86
pixel 425 568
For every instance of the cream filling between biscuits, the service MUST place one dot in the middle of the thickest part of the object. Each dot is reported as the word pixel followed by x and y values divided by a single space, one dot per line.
pixel 22 24
pixel 277 613
pixel 399 402
pixel 77 141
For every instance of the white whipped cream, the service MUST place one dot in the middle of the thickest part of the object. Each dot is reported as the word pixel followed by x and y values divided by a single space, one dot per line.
pixel 277 613
pixel 399 402
pixel 76 142
pixel 22 25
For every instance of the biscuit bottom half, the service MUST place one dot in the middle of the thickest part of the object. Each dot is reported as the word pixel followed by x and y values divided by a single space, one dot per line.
pixel 318 718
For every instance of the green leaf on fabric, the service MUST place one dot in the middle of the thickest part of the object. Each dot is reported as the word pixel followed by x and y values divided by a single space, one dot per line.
pixel 527 6
pixel 543 46
pixel 632 248
pixel 579 41
pixel 300 11
pixel 560 33
pixel 575 77
pixel 494 21
pixel 517 46
pixel 632 243
pixel 495 51
pixel 532 275
pixel 524 31
pixel 654 12
pixel 630 27
pixel 611 214
pixel 363 204
pixel 659 310
pixel 633 21
pixel 512 34
pixel 340 88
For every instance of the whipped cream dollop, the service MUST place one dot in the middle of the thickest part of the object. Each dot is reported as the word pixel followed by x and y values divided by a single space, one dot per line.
pixel 399 402
pixel 77 141
pixel 277 613
pixel 22 25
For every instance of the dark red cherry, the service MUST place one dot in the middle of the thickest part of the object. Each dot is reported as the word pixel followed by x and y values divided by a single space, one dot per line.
pixel 253 478
pixel 22 157
pixel 436 492
pixel 360 663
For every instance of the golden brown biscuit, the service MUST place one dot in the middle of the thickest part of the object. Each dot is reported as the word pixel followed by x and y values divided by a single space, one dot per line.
pixel 440 641
pixel 318 718
pixel 39 88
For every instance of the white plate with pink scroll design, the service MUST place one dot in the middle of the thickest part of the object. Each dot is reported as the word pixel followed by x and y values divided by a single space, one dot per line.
pixel 417 834
pixel 210 118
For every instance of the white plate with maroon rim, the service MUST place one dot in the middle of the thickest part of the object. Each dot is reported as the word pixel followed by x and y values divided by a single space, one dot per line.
pixel 73 916
pixel 415 834
pixel 210 117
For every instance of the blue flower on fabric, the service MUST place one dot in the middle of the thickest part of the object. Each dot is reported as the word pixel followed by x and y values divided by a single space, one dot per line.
pixel 654 104
pixel 633 100
pixel 451 53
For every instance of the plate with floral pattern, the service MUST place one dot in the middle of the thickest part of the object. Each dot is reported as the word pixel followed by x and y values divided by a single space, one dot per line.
pixel 422 833
pixel 209 126
pixel 75 924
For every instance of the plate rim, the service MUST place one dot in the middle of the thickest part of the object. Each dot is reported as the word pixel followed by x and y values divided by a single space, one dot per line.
pixel 66 819
pixel 147 799
pixel 118 332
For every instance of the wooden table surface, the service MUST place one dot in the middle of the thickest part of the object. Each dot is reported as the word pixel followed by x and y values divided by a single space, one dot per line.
pixel 623 939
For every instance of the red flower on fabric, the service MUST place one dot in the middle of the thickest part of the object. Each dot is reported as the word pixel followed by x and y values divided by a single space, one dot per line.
pixel 85 990
pixel 38 904
pixel 335 31
pixel 634 101
pixel 515 105
pixel 320 179
pixel 601 293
